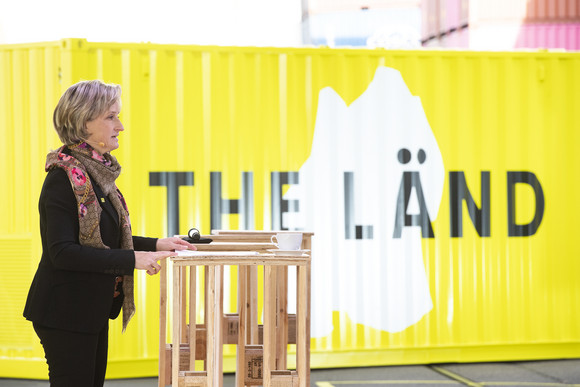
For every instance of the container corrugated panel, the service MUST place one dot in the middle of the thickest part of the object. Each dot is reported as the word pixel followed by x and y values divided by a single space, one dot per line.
pixel 464 13
pixel 537 11
pixel 429 19
pixel 30 82
pixel 552 36
pixel 551 11
pixel 443 17
pixel 449 14
pixel 440 186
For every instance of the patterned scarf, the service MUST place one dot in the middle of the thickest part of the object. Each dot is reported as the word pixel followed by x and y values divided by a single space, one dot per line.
pixel 104 170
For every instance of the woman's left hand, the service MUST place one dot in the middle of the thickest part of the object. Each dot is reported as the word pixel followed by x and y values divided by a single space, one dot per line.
pixel 174 244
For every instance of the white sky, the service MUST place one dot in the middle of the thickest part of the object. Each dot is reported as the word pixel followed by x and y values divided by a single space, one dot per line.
pixel 223 22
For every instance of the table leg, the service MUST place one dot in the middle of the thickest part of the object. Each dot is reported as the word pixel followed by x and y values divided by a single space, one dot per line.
pixel 242 326
pixel 308 246
pixel 206 304
pixel 303 325
pixel 252 315
pixel 269 360
pixel 281 317
pixel 183 300
pixel 162 323
pixel 192 316
pixel 220 325
pixel 214 327
pixel 176 317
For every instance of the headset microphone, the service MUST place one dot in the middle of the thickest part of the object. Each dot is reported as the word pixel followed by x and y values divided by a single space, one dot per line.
pixel 100 143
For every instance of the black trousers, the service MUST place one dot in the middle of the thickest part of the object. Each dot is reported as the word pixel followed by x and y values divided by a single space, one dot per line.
pixel 75 359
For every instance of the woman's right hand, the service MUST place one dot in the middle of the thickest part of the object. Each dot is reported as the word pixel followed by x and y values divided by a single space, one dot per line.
pixel 148 260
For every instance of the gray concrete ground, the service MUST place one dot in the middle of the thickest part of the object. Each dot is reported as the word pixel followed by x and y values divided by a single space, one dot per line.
pixel 548 373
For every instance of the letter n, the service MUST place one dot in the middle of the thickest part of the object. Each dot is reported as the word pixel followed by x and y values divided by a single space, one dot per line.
pixel 458 193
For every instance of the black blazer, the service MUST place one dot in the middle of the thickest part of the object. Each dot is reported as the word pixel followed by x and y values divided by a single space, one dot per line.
pixel 73 286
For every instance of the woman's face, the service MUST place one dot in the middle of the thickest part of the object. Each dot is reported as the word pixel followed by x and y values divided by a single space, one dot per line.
pixel 104 130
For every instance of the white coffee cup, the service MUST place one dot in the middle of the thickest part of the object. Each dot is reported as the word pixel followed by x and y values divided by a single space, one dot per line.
pixel 287 240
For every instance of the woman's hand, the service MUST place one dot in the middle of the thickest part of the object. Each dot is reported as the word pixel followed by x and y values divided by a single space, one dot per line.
pixel 174 244
pixel 148 260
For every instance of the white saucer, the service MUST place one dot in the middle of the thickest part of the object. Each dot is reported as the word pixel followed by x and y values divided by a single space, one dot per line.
pixel 288 252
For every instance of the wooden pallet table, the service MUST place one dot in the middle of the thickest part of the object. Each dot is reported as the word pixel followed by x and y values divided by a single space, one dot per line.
pixel 205 341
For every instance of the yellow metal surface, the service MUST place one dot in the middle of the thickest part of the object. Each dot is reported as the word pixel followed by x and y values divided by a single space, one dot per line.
pixel 237 109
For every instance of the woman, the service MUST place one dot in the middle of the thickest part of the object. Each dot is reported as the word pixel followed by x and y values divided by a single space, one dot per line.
pixel 85 275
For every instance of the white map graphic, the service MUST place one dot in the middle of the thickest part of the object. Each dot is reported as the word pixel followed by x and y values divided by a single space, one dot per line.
pixel 353 176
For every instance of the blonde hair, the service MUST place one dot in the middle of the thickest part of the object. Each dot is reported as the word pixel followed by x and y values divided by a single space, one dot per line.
pixel 82 102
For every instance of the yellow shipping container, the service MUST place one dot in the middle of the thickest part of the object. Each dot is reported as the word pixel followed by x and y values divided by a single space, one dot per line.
pixel 441 187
